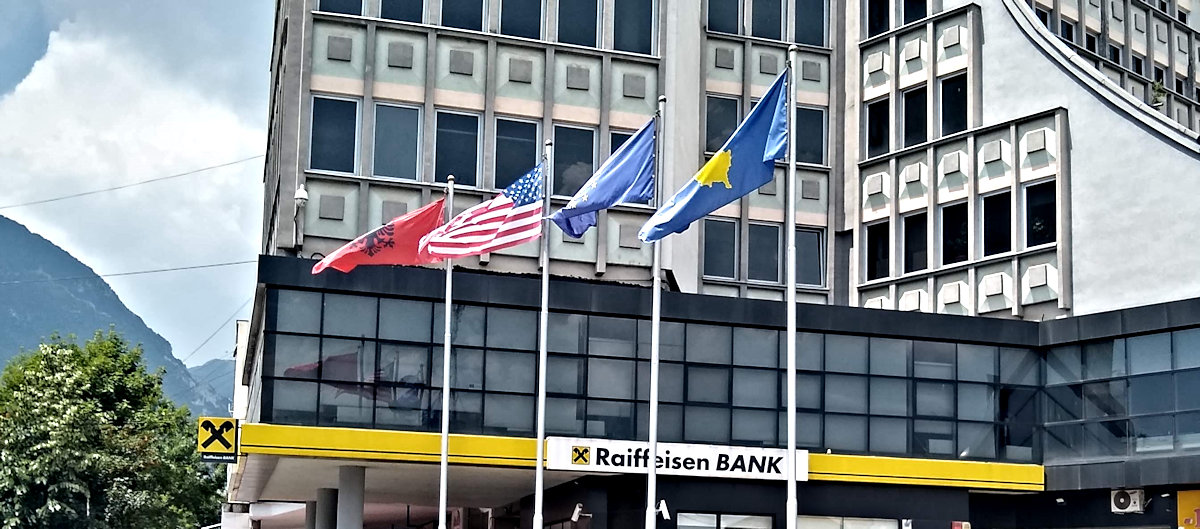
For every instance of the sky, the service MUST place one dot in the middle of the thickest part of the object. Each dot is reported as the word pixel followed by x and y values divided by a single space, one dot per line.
pixel 97 94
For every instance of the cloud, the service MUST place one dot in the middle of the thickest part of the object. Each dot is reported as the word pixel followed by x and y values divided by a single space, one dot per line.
pixel 101 109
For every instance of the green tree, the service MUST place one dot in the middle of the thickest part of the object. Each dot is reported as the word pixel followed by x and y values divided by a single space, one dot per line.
pixel 88 440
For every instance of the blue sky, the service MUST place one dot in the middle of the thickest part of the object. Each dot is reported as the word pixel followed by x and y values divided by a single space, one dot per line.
pixel 95 94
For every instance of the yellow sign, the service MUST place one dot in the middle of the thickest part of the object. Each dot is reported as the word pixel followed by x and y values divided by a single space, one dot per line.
pixel 1188 511
pixel 217 439
pixel 580 455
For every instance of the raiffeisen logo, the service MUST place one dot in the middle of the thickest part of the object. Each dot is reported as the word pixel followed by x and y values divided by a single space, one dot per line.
pixel 632 457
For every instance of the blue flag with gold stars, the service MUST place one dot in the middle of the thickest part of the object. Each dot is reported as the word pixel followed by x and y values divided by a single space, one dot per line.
pixel 743 164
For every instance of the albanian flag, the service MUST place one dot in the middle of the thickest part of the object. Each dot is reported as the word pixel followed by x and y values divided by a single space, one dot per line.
pixel 394 243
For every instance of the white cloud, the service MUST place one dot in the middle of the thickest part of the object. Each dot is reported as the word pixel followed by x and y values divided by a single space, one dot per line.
pixel 95 112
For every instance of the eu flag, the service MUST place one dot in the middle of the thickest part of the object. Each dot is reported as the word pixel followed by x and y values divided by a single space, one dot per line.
pixel 627 176
pixel 744 163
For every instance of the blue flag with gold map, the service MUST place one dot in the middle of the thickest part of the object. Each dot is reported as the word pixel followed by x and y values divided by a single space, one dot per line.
pixel 743 164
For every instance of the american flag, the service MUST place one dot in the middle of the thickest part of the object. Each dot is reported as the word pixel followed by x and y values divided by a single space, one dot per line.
pixel 513 217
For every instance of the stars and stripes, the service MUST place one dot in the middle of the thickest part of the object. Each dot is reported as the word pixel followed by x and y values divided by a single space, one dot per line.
pixel 512 218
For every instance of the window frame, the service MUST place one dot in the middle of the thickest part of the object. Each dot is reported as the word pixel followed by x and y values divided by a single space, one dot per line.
pixel 737 242
pixel 598 32
pixel 423 13
pixel 823 111
pixel 983 221
pixel 824 17
pixel 866 249
pixel 887 123
pixel 821 251
pixel 903 240
pixel 361 10
pixel 1025 214
pixel 780 17
pixel 500 20
pixel 654 21
pixel 740 20
pixel 595 151
pixel 941 220
pixel 780 253
pixel 538 141
pixel 483 17
pixel 941 102
pixel 905 95
pixel 739 112
pixel 358 104
pixel 420 170
pixel 478 144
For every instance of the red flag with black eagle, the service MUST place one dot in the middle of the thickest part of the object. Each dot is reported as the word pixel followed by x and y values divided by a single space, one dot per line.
pixel 394 243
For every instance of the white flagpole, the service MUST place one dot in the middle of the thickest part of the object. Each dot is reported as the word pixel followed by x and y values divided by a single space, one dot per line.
pixel 539 471
pixel 790 281
pixel 655 317
pixel 443 489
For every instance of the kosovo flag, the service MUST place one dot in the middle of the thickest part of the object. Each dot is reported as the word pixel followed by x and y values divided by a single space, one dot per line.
pixel 746 162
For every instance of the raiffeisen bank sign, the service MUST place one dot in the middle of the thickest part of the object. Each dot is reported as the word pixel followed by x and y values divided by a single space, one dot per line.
pixel 674 459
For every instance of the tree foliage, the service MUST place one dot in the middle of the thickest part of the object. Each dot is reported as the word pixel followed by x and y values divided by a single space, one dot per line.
pixel 88 440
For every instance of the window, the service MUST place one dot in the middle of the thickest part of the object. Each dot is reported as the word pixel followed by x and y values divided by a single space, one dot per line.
pixel 457 148
pixel 877 251
pixel 954 233
pixel 633 25
pixel 1182 16
pixel 1090 42
pixel 997 224
pixel 1137 64
pixel 516 150
pixel 1179 82
pixel 763 253
pixel 577 22
pixel 723 16
pixel 878 137
pixel 345 7
pixel 1043 16
pixel 464 14
pixel 521 18
pixel 720 121
pixel 720 248
pixel 1066 30
pixel 810 135
pixel 810 22
pixel 727 521
pixel 954 104
pixel 915 245
pixel 406 10
pixel 1160 74
pixel 914 10
pixel 617 139
pixel 767 19
pixel 574 158
pixel 397 141
pixel 915 117
pixel 334 135
pixel 1039 214
pixel 810 262
pixel 1114 53
pixel 878 20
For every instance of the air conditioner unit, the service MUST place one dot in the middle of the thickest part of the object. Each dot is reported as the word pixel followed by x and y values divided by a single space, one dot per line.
pixel 1125 501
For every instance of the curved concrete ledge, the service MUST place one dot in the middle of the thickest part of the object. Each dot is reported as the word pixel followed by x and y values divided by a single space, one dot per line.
pixel 1092 78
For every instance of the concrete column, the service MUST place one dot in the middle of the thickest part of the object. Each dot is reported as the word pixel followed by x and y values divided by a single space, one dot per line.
pixel 350 497
pixel 310 515
pixel 325 510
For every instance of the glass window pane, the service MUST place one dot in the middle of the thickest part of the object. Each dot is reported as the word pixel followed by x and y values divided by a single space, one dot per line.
pixel 505 414
pixel 914 117
pixel 1040 214
pixel 466 411
pixel 670 382
pixel 349 405
pixel 294 356
pixel 406 10
pixel 976 440
pixel 512 329
pixel 574 158
pixel 457 149
pixel 1063 364
pixel 720 248
pixel 721 119
pixel 878 20
pixel 808 391
pixel 1018 366
pixel 577 23
pixel 1149 353
pixel 890 356
pixel 508 371
pixel 915 243
pixel 764 253
pixel 334 134
pixel 723 16
pixel 810 262
pixel 878 117
pixel 810 134
pixel 1104 359
pixel 466 324
pixel 1153 434
pixel 1105 399
pixel 466 368
pixel 612 336
pixel 670 340
pixel 755 347
pixel 708 384
pixel 845 354
pixel 1186 395
pixel 706 424
pixel 610 420
pixel 808 429
pixel 401 319
pixel 1151 394
pixel 616 140
pixel 740 521
pixel 889 396
pixel 1064 403
pixel 397 133
pixel 878 238
pixel 846 432
pixel 565 333
pixel 914 10
pixel 933 437
pixel 1187 428
pixel 465 14
pixel 933 359
pixel 810 348
pixel 670 422
pixel 1063 442
pixel 766 19
pixel 521 18
pixel 613 379
pixel 755 427
pixel 977 363
pixel 516 150
pixel 633 28
pixel 697 521
pixel 1187 348
pixel 1018 405
pixel 407 365
pixel 889 435
pixel 810 22
pixel 564 416
pixel 709 343
pixel 935 399
pixel 564 374
pixel 350 360
pixel 997 223
pixel 954 233
pixel 1105 439
pixel 845 394
pixel 346 7
pixel 954 104
pixel 296 311
pixel 401 407
pixel 976 402
pixel 349 316
pixel 755 388
pixel 1017 441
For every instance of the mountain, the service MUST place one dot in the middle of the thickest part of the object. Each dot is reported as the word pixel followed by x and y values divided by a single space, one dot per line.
pixel 44 290
pixel 217 374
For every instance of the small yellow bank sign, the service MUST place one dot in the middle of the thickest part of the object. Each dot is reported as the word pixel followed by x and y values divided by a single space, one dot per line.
pixel 217 439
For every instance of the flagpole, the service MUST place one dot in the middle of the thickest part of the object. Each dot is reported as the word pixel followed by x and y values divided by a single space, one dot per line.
pixel 539 471
pixel 443 488
pixel 790 282
pixel 655 319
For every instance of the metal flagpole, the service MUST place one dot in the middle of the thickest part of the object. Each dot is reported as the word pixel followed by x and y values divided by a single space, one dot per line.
pixel 539 471
pixel 790 298
pixel 443 489
pixel 655 317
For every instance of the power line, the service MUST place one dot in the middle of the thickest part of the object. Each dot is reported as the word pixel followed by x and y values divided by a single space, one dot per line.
pixel 218 329
pixel 123 186
pixel 120 274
